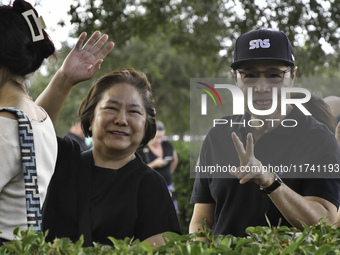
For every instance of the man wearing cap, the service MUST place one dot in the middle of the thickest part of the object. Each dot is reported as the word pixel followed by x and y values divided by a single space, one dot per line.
pixel 264 60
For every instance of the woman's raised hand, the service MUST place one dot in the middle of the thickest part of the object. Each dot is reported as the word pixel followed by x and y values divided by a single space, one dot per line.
pixel 84 60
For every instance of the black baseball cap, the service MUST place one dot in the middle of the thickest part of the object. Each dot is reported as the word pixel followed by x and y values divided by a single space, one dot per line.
pixel 261 45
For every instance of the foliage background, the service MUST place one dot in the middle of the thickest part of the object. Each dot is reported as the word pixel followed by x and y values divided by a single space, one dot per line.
pixel 175 40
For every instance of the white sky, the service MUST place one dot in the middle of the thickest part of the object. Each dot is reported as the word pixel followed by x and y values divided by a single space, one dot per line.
pixel 52 12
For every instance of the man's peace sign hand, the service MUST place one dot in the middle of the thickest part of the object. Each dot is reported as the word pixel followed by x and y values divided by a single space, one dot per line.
pixel 251 168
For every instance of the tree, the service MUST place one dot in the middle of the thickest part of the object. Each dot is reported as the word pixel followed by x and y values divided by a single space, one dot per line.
pixel 174 40
pixel 207 27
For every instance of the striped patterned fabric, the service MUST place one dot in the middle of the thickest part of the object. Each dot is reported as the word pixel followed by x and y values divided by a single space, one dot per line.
pixel 29 168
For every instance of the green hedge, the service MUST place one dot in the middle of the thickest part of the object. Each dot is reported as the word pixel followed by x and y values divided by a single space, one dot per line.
pixel 183 184
pixel 319 239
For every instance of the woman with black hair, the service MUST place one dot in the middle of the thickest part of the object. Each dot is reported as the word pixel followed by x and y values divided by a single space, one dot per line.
pixel 30 160
pixel 28 143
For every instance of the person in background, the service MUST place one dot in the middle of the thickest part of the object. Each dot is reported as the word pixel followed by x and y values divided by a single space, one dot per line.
pixel 161 156
pixel 334 104
pixel 319 109
pixel 106 191
pixel 76 134
pixel 26 164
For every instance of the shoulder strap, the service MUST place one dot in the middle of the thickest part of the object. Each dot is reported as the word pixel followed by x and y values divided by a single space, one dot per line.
pixel 85 192
pixel 26 140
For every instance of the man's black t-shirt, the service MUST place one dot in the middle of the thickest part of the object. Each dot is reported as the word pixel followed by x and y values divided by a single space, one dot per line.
pixel 239 206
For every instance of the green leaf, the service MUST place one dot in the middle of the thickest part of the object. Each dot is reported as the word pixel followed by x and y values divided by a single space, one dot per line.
pixel 196 249
pixel 172 236
pixel 80 242
pixel 250 229
pixel 11 247
pixel 226 242
pixel 64 243
pixel 295 245
pixel 268 221
pixel 272 250
pixel 324 249
pixel 255 249
pixel 17 232
pixel 29 239
pixel 114 241
pixel 243 242
pixel 146 247
pixel 305 226
pixel 220 250
pixel 284 229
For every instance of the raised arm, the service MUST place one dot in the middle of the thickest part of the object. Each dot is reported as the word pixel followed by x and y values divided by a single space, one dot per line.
pixel 81 64
pixel 293 206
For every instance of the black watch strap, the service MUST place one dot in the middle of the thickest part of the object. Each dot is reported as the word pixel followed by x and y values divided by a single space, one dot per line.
pixel 277 183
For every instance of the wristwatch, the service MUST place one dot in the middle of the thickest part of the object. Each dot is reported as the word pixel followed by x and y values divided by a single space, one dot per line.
pixel 277 183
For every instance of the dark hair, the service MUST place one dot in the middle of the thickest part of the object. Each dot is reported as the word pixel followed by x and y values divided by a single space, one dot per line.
pixel 125 75
pixel 19 55
pixel 160 125
pixel 319 109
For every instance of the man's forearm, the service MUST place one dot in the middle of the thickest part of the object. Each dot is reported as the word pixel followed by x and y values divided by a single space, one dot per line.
pixel 203 213
pixel 195 226
pixel 296 208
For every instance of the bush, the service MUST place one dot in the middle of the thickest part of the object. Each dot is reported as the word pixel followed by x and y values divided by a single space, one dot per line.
pixel 318 239
pixel 183 184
